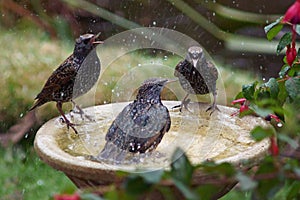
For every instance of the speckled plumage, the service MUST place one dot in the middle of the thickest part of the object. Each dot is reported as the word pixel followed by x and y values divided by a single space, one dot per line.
pixel 197 75
pixel 74 77
pixel 141 125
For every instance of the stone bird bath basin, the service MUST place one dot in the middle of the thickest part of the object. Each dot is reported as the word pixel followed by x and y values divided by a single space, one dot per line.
pixel 219 137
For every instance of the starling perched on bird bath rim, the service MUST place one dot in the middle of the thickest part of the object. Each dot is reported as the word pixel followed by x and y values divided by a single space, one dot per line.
pixel 140 126
pixel 197 76
pixel 74 77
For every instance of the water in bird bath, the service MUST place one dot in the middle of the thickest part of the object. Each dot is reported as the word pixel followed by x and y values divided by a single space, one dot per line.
pixel 219 137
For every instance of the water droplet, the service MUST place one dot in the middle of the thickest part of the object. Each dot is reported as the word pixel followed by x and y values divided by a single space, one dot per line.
pixel 21 115
pixel 279 124
pixel 26 136
pixel 154 23
pixel 40 182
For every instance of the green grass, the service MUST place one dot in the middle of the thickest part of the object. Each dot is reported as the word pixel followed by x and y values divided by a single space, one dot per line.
pixel 25 176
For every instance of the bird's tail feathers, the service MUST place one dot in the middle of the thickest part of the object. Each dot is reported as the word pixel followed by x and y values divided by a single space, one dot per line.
pixel 112 153
pixel 38 103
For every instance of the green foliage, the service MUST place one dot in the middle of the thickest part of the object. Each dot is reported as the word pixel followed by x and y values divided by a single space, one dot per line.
pixel 246 183
pixel 25 176
pixel 292 86
pixel 284 41
pixel 259 133
pixel 248 90
pixel 273 29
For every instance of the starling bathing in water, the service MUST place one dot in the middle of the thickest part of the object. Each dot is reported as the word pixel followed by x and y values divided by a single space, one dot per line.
pixel 141 125
pixel 197 76
pixel 74 77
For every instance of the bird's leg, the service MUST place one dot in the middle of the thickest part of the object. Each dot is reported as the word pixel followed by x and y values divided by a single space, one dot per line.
pixel 69 124
pixel 213 106
pixel 184 103
pixel 81 112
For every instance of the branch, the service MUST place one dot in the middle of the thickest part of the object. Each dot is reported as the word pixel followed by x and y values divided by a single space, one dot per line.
pixel 17 132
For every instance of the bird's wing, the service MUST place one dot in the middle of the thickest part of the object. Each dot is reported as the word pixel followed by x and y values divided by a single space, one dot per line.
pixel 180 66
pixel 140 122
pixel 61 76
pixel 212 69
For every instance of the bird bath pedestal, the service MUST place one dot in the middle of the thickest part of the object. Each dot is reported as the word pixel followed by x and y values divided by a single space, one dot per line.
pixel 219 137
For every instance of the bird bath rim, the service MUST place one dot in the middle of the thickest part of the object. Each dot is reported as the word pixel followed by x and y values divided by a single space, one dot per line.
pixel 48 148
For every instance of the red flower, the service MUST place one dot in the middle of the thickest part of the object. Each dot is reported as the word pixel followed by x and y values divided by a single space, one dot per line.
pixel 66 197
pixel 292 15
pixel 291 54
pixel 240 101
pixel 272 116
pixel 244 106
pixel 274 150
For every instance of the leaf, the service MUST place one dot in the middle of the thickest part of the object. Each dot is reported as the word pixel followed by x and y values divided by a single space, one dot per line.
pixel 90 196
pixel 152 176
pixel 282 95
pixel 273 29
pixel 267 188
pixel 239 95
pixel 248 90
pixel 186 191
pixel 288 140
pixel 272 84
pixel 294 71
pixel 294 190
pixel 259 133
pixel 292 86
pixel 207 191
pixel 245 182
pixel 223 168
pixel 181 168
pixel 284 41
pixel 182 172
pixel 135 185
pixel 284 70
pixel 262 112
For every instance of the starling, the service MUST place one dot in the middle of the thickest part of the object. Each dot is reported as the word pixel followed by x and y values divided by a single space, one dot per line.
pixel 197 76
pixel 141 125
pixel 74 77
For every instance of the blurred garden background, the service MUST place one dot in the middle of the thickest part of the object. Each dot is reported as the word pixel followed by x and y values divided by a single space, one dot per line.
pixel 37 35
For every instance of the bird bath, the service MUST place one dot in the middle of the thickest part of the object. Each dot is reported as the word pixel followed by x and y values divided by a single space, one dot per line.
pixel 219 137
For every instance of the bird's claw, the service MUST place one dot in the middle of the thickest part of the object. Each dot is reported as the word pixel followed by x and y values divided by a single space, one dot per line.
pixel 213 108
pixel 184 104
pixel 69 124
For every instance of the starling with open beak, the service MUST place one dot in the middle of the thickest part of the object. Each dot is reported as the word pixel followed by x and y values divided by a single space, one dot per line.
pixel 74 77
pixel 141 125
pixel 197 76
